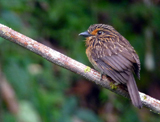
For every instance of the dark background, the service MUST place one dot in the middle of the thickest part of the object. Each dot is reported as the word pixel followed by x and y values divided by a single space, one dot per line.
pixel 45 92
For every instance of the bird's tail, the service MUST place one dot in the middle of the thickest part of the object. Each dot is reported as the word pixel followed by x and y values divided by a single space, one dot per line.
pixel 133 92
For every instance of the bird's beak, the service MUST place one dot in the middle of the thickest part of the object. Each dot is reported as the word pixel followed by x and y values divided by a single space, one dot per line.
pixel 85 34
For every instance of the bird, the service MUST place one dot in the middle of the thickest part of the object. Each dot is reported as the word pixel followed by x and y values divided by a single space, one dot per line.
pixel 112 55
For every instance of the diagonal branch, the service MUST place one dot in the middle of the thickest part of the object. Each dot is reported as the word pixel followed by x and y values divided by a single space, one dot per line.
pixel 72 65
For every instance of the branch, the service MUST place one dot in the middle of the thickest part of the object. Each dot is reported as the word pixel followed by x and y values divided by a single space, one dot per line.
pixel 72 65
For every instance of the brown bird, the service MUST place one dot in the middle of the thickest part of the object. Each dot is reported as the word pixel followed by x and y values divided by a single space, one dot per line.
pixel 112 55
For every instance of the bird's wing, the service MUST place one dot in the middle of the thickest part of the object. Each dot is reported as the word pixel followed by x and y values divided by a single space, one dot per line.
pixel 115 61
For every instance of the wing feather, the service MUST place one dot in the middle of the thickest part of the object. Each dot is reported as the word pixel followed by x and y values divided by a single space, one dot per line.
pixel 107 70
pixel 115 61
pixel 112 63
pixel 120 77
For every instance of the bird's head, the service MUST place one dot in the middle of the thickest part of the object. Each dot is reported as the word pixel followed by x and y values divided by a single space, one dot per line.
pixel 99 30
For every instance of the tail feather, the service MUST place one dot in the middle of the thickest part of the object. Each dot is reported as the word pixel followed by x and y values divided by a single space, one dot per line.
pixel 133 92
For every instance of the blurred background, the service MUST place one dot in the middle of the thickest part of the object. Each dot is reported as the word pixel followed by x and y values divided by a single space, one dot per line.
pixel 35 90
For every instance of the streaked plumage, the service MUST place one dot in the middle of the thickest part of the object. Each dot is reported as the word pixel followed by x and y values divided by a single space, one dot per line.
pixel 112 55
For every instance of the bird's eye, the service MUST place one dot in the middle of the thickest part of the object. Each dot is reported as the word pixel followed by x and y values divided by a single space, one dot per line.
pixel 100 32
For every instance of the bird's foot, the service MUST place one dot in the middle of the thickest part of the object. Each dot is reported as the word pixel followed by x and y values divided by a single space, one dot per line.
pixel 101 77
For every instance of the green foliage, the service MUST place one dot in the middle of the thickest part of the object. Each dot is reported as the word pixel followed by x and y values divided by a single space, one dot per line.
pixel 126 116
pixel 71 112
pixel 48 90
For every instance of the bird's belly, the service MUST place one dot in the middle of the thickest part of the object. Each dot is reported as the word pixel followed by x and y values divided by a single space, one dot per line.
pixel 92 61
